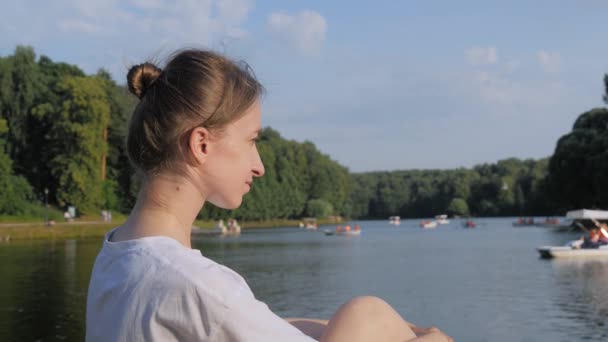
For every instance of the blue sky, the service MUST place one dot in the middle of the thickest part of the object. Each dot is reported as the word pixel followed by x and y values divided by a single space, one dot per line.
pixel 379 85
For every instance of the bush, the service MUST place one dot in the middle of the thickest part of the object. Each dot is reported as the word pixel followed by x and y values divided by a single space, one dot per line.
pixel 319 208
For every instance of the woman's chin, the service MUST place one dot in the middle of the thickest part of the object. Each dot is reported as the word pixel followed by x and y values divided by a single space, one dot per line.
pixel 228 204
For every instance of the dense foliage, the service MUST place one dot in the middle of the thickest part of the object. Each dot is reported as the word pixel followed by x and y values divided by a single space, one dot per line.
pixel 579 166
pixel 509 187
pixel 64 131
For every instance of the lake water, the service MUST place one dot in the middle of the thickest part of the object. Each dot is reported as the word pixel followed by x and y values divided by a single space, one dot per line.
pixel 482 284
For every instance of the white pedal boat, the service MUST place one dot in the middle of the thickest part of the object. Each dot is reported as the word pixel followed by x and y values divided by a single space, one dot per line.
pixel 572 250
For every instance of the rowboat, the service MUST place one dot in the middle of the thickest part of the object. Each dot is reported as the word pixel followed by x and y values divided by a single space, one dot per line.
pixel 442 219
pixel 428 224
pixel 394 220
pixel 346 231
pixel 349 233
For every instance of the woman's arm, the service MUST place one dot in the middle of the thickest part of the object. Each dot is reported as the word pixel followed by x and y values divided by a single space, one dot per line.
pixel 309 326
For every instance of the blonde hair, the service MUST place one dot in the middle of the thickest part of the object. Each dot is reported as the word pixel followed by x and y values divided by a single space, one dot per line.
pixel 197 88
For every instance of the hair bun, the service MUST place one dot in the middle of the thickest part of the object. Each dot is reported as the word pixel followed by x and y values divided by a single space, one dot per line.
pixel 140 77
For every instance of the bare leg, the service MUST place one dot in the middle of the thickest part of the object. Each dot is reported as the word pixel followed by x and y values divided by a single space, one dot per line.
pixel 367 319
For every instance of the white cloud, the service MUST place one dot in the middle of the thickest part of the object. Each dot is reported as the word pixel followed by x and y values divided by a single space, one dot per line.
pixel 511 94
pixel 107 31
pixel 482 55
pixel 304 30
pixel 549 62
pixel 188 20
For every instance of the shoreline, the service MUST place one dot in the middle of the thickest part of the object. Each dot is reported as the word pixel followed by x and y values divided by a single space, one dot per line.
pixel 95 229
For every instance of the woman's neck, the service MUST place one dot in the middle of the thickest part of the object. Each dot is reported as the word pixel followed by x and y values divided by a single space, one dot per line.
pixel 166 206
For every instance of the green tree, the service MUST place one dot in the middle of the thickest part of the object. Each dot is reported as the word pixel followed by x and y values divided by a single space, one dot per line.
pixel 458 206
pixel 18 81
pixel 578 167
pixel 78 144
pixel 319 208
pixel 118 167
pixel 16 192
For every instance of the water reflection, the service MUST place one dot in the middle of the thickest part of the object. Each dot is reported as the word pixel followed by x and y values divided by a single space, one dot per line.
pixel 274 269
pixel 582 297
pixel 450 277
pixel 43 289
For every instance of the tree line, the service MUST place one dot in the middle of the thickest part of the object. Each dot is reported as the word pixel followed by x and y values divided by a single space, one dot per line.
pixel 62 136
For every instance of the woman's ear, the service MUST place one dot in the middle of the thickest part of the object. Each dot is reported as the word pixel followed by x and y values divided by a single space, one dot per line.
pixel 198 144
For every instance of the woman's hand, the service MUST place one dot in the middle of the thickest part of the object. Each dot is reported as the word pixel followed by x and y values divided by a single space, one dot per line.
pixel 430 334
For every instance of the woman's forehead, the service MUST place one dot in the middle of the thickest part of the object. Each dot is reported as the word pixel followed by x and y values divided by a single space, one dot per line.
pixel 246 125
pixel 251 120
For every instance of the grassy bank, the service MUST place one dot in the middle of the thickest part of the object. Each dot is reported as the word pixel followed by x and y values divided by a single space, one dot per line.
pixel 57 232
pixel 24 230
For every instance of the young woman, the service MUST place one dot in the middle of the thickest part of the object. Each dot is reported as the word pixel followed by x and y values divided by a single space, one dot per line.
pixel 193 135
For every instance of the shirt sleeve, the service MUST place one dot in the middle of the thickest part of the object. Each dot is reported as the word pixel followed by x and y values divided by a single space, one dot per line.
pixel 183 315
pixel 248 319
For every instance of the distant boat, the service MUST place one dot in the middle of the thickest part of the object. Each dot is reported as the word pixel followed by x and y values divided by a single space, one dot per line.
pixel 350 233
pixel 233 229
pixel 469 224
pixel 428 224
pixel 442 219
pixel 394 220
pixel 524 222
pixel 310 223
pixel 346 231
pixel 553 222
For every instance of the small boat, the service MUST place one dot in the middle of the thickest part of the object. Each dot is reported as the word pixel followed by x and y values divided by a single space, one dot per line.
pixel 233 229
pixel 347 231
pixel 556 223
pixel 428 224
pixel 310 223
pixel 469 224
pixel 442 219
pixel 524 222
pixel 570 251
pixel 394 220
pixel 328 232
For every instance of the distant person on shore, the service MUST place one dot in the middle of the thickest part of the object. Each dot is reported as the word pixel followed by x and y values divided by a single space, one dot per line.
pixel 193 136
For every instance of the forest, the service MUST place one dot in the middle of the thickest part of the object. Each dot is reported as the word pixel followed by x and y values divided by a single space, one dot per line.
pixel 62 136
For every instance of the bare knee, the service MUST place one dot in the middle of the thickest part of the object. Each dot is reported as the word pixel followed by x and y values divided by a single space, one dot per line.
pixel 367 318
pixel 367 305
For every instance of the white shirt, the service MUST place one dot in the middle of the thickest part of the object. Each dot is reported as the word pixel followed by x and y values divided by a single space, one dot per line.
pixel 155 289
